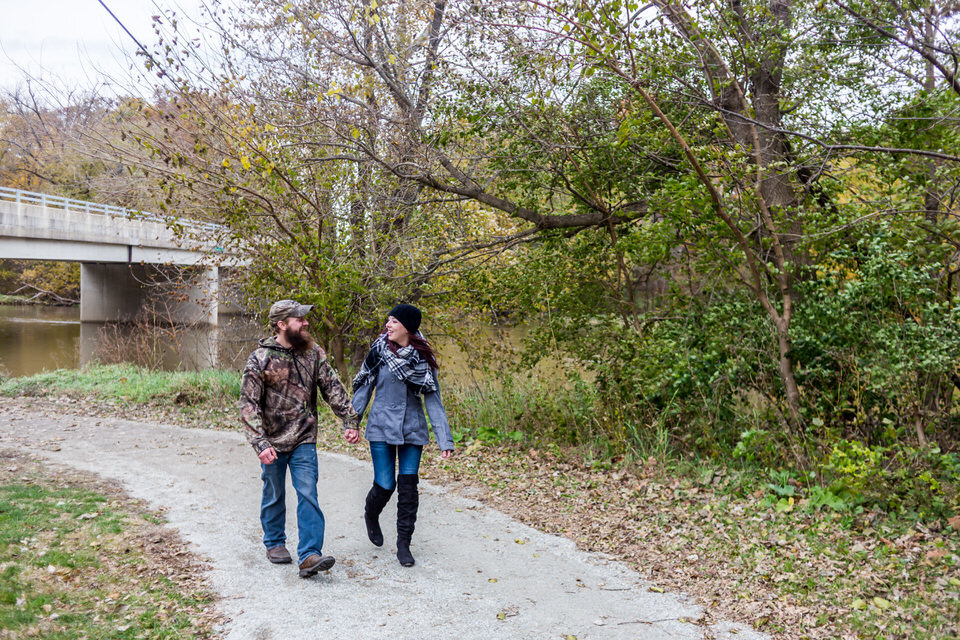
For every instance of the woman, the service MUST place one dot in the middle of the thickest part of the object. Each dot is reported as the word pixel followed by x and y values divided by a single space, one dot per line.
pixel 402 368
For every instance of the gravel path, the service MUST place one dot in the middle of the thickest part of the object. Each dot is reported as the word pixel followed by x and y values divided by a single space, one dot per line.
pixel 479 574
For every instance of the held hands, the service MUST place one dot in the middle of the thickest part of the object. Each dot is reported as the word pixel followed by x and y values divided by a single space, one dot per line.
pixel 268 456
pixel 352 436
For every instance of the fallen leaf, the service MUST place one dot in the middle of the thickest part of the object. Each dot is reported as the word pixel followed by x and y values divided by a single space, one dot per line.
pixel 936 554
pixel 508 612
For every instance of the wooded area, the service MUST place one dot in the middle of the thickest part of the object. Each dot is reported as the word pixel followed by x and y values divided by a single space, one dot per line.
pixel 733 221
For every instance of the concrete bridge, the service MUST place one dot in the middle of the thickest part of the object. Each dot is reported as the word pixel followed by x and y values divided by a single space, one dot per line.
pixel 129 260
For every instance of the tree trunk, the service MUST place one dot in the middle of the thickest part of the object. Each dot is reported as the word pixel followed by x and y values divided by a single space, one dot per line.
pixel 791 389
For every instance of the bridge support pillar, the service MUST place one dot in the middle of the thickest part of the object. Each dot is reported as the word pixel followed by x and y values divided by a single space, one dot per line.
pixel 111 292
pixel 230 301
pixel 166 294
pixel 197 297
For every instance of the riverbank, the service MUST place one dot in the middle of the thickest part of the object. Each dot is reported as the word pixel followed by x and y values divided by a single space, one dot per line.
pixel 33 301
pixel 739 543
pixel 38 298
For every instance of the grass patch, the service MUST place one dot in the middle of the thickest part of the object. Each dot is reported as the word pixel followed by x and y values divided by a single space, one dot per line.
pixel 80 560
pixel 529 410
pixel 129 384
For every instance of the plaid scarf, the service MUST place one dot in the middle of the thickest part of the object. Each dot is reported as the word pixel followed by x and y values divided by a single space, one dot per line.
pixel 406 364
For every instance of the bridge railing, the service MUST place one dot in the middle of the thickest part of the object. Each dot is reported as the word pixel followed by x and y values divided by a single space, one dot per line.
pixel 70 204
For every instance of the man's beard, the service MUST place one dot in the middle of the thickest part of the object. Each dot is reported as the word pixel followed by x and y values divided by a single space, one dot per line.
pixel 299 340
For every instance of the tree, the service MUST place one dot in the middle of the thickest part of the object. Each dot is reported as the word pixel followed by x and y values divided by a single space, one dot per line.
pixel 256 145
pixel 755 117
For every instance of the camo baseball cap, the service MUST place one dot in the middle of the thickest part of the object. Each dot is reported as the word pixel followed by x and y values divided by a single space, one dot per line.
pixel 283 309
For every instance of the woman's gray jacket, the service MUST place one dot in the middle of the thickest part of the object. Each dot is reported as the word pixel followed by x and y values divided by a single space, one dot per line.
pixel 396 416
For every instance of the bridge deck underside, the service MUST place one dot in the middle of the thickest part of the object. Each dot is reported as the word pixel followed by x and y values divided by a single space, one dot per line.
pixel 128 265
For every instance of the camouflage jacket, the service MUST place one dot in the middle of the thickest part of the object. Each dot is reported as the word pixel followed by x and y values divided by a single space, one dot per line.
pixel 278 396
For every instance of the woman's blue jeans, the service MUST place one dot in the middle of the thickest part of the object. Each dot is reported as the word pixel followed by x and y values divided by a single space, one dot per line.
pixel 302 462
pixel 387 456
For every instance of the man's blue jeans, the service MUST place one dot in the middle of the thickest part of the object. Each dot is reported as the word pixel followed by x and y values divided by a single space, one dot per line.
pixel 385 458
pixel 273 510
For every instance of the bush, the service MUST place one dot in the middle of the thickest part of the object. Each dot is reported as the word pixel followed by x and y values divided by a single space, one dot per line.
pixel 875 338
pixel 923 482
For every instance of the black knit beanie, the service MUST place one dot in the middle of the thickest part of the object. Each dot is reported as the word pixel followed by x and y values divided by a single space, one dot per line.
pixel 408 315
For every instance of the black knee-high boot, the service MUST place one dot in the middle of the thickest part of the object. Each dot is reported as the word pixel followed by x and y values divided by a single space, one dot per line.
pixel 377 498
pixel 408 501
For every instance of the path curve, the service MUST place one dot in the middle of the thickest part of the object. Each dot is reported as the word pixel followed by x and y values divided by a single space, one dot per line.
pixel 479 574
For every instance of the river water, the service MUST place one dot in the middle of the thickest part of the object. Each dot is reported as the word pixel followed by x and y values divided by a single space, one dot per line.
pixel 34 339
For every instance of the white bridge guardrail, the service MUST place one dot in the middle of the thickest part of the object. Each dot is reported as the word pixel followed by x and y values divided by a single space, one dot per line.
pixel 69 204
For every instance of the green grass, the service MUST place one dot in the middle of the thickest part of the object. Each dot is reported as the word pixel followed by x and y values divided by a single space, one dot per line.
pixel 521 408
pixel 70 567
pixel 127 383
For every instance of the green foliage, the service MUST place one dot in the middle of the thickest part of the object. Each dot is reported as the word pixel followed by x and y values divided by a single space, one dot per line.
pixel 872 329
pixel 781 483
pixel 855 468
pixel 757 446
pixel 922 482
pixel 702 372
pixel 821 498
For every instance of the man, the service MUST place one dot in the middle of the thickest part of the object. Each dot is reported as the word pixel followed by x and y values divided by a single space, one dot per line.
pixel 278 409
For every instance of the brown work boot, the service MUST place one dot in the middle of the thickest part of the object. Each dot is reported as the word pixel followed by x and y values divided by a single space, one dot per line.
pixel 314 564
pixel 279 555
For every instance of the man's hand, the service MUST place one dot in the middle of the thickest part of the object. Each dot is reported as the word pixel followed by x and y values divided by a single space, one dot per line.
pixel 446 455
pixel 268 456
pixel 352 436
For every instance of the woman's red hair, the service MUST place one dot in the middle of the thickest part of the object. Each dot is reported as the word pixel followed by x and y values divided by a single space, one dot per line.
pixel 423 348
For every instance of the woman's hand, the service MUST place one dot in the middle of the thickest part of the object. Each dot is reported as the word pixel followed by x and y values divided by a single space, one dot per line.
pixel 352 436
pixel 447 454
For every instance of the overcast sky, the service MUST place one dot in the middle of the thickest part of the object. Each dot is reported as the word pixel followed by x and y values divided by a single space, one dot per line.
pixel 74 40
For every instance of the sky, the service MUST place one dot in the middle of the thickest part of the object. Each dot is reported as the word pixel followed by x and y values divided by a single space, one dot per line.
pixel 76 41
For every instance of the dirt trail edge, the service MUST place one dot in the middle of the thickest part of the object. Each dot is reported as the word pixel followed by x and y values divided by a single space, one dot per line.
pixel 479 574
